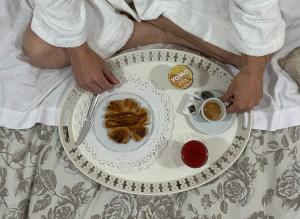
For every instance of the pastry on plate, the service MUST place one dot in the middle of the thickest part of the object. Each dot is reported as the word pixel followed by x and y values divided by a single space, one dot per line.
pixel 126 119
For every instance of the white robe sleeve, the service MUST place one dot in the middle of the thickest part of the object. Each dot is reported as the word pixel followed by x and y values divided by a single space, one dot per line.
pixel 258 28
pixel 61 23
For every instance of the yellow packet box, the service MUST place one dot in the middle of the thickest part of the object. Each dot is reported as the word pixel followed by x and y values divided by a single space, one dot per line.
pixel 180 76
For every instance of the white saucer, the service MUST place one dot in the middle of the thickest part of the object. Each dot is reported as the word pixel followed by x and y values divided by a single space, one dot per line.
pixel 213 128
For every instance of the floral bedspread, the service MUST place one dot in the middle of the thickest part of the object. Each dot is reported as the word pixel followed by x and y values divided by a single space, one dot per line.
pixel 37 180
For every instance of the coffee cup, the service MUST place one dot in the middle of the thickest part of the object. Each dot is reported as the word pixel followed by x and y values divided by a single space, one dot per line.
pixel 213 110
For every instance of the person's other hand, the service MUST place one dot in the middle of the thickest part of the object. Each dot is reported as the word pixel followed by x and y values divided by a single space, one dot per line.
pixel 90 70
pixel 245 92
pixel 246 89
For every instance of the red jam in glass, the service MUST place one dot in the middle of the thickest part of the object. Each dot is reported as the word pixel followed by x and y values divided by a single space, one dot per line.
pixel 194 154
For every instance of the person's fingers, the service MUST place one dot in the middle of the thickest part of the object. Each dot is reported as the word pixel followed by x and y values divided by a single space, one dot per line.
pixel 245 111
pixel 89 85
pixel 95 88
pixel 234 108
pixel 82 85
pixel 228 103
pixel 240 107
pixel 103 83
pixel 258 101
pixel 109 75
pixel 227 95
pixel 86 88
pixel 246 108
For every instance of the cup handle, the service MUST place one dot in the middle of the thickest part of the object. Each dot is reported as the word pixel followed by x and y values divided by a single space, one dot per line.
pixel 228 103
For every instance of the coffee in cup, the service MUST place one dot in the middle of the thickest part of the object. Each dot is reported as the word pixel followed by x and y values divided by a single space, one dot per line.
pixel 213 110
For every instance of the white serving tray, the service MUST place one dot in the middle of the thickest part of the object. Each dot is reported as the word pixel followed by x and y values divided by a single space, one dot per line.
pixel 165 175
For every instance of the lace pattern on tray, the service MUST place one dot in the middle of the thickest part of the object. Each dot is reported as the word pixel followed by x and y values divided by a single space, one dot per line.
pixel 143 156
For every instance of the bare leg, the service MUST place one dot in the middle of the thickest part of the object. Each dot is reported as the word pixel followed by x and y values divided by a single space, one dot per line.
pixel 200 45
pixel 42 54
pixel 146 33
pixel 163 30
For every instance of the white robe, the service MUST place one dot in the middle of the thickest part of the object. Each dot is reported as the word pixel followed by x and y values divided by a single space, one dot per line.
pixel 30 95
pixel 253 27
pixel 70 23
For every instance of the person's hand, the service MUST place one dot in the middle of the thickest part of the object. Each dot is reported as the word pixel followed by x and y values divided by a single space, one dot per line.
pixel 246 89
pixel 245 92
pixel 90 70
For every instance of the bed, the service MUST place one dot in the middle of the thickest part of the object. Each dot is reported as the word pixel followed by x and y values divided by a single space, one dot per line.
pixel 37 179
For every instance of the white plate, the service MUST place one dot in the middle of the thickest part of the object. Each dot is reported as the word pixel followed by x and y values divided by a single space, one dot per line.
pixel 163 176
pixel 101 132
pixel 133 156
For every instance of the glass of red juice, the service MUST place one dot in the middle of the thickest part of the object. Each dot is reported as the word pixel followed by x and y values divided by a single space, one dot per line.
pixel 194 154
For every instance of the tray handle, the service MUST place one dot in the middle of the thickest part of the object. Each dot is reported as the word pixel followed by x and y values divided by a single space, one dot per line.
pixel 246 121
pixel 64 128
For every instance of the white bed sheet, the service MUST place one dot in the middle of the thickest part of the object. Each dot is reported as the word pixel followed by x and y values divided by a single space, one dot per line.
pixel 29 95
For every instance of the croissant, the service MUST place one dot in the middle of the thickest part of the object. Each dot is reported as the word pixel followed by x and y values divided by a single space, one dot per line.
pixel 119 135
pixel 115 106
pixel 131 105
pixel 112 124
pixel 125 119
pixel 138 133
